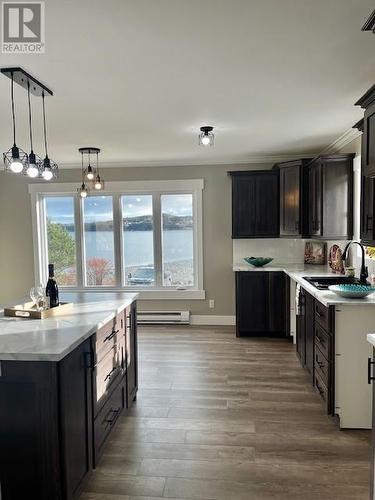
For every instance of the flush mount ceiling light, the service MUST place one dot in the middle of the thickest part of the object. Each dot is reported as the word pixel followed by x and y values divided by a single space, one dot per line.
pixel 90 173
pixel 206 137
pixel 16 160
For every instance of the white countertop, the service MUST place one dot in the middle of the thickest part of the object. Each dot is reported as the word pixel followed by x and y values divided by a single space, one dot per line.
pixel 371 338
pixel 52 339
pixel 297 273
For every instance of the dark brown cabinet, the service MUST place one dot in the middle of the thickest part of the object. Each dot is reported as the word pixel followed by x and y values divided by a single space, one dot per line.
pixel 261 303
pixel 331 197
pixel 293 199
pixel 315 346
pixel 367 102
pixel 255 204
pixel 367 127
pixel 132 354
pixel 56 416
pixel 305 331
pixel 367 211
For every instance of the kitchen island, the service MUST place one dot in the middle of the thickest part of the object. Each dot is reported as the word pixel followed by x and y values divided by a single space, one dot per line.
pixel 64 381
pixel 330 335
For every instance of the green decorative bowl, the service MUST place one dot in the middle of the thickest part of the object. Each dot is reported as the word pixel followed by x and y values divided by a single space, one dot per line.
pixel 258 261
pixel 352 291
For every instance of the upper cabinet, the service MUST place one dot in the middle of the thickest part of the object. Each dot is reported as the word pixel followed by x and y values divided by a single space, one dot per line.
pixel 367 102
pixel 255 204
pixel 293 202
pixel 331 197
pixel 367 127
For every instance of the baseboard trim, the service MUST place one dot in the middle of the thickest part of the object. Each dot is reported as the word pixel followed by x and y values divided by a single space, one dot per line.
pixel 210 319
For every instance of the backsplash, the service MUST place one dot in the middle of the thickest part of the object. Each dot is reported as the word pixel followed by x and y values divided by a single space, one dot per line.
pixel 283 251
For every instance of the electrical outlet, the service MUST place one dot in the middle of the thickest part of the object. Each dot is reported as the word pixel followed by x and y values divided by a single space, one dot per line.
pixel 211 303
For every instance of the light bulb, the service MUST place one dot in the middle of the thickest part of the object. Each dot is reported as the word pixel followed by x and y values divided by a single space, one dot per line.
pixel 16 165
pixel 32 170
pixel 82 191
pixel 206 140
pixel 98 183
pixel 47 174
pixel 90 176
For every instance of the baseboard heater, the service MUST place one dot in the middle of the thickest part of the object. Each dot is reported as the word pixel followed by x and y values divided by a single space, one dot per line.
pixel 163 317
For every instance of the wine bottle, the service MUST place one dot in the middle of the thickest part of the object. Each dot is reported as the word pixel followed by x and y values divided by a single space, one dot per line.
pixel 52 290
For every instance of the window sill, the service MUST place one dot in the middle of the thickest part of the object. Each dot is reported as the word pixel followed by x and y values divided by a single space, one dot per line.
pixel 145 294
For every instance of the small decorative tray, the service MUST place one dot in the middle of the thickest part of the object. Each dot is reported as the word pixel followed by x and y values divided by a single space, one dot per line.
pixel 29 310
pixel 352 291
pixel 258 261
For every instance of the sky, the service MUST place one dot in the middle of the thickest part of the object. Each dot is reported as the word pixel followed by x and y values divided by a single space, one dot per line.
pixel 99 208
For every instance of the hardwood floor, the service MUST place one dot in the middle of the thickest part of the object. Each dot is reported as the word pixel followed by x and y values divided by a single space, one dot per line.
pixel 222 418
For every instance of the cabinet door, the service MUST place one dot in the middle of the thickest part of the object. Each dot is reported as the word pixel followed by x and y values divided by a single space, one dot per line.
pixel 315 200
pixel 309 333
pixel 277 303
pixel 267 205
pixel 300 325
pixel 76 417
pixel 132 355
pixel 290 201
pixel 252 296
pixel 243 206
pixel 367 209
pixel 336 199
pixel 368 143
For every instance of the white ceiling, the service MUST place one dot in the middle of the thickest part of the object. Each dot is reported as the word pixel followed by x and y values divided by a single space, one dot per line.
pixel 138 78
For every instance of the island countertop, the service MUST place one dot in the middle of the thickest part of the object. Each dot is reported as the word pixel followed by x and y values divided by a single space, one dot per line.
pixel 52 339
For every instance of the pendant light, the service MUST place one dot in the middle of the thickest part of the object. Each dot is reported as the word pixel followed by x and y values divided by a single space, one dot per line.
pixel 99 183
pixel 82 191
pixel 15 159
pixel 90 173
pixel 33 163
pixel 49 168
pixel 206 137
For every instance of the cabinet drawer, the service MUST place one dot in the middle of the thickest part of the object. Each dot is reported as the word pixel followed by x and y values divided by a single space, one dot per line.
pixel 322 315
pixel 107 417
pixel 107 372
pixel 108 334
pixel 323 391
pixel 322 366
pixel 324 341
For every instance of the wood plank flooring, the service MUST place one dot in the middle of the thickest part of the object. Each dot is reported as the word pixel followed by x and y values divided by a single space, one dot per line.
pixel 221 418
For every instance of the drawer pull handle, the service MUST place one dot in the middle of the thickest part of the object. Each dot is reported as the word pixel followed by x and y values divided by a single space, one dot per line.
pixel 320 364
pixel 113 416
pixel 369 376
pixel 111 335
pixel 108 377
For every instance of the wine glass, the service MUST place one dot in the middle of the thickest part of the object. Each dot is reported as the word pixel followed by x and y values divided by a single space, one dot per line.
pixel 34 296
pixel 41 298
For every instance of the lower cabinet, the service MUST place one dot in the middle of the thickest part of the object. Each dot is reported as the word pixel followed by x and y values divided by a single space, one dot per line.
pixel 315 346
pixel 56 416
pixel 371 380
pixel 261 303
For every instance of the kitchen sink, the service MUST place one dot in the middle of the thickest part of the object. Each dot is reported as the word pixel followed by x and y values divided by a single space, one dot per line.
pixel 323 282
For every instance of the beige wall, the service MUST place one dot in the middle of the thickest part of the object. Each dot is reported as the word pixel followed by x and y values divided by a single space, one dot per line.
pixel 16 246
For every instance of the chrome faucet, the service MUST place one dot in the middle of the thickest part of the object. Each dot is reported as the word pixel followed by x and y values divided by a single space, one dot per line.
pixel 364 271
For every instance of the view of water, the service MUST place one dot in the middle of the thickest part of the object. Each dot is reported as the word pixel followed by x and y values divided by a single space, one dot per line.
pixel 177 246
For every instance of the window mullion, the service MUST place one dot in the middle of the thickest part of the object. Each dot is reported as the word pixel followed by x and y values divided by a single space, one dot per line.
pixel 157 222
pixel 117 239
pixel 80 247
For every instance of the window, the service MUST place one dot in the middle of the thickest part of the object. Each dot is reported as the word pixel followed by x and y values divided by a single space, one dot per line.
pixel 138 236
pixel 99 241
pixel 178 245
pixel 138 240
pixel 61 245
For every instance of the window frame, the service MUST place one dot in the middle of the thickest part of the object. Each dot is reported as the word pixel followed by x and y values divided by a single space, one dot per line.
pixel 195 187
